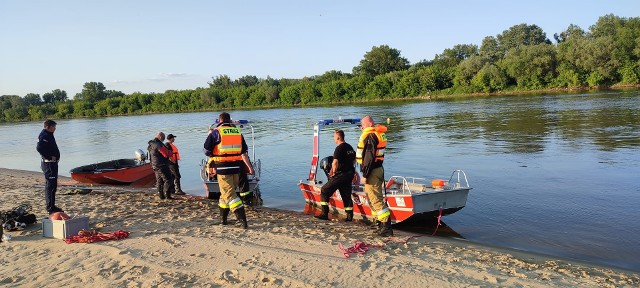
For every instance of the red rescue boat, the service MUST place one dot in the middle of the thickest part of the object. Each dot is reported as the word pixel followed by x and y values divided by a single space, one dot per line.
pixel 405 196
pixel 135 172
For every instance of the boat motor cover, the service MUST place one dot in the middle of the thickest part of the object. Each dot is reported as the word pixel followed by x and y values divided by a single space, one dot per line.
pixel 325 165
pixel 140 155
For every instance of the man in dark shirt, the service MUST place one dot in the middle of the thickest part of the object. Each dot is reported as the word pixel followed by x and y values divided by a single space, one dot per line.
pixel 50 155
pixel 159 155
pixel 340 177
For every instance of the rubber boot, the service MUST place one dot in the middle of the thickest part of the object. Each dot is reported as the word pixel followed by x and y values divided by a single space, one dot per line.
pixel 386 230
pixel 225 214
pixel 246 199
pixel 171 191
pixel 325 213
pixel 160 187
pixel 375 224
pixel 349 216
pixel 242 217
pixel 179 189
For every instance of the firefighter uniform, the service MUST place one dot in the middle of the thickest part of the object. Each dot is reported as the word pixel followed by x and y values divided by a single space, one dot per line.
pixel 225 145
pixel 370 156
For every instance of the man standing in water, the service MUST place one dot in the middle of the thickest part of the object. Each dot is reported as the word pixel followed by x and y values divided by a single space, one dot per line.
pixel 340 177
pixel 370 155
pixel 225 145
pixel 50 155
pixel 159 155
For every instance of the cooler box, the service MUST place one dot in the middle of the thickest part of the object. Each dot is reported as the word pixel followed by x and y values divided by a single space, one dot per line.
pixel 62 229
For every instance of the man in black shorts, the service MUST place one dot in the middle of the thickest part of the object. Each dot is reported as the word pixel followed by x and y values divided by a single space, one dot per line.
pixel 340 177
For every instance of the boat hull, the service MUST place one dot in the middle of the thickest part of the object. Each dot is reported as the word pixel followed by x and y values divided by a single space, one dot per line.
pixel 402 206
pixel 116 172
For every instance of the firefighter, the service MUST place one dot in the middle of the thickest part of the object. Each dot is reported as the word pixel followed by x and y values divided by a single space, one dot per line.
pixel 370 156
pixel 225 145
pixel 340 177
pixel 173 164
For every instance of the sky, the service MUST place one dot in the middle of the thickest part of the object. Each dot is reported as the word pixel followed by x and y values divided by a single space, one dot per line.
pixel 157 45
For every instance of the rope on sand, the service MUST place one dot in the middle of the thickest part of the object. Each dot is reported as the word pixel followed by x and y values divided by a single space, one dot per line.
pixel 85 236
pixel 360 247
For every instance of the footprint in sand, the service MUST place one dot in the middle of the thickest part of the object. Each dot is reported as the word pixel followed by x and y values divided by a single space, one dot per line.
pixel 172 242
pixel 230 276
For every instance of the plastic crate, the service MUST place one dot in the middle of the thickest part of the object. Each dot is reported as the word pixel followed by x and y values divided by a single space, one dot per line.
pixel 62 229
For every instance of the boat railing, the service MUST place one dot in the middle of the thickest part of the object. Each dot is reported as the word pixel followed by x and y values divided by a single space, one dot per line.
pixel 203 170
pixel 399 185
pixel 406 185
pixel 457 180
pixel 257 167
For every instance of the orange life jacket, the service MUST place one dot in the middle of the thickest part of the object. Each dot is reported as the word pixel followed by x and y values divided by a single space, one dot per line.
pixel 230 147
pixel 382 142
pixel 176 155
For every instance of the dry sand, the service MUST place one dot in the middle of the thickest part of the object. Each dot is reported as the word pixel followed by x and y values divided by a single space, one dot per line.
pixel 181 243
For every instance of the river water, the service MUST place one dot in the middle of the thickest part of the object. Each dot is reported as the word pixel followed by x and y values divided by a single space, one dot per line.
pixel 553 174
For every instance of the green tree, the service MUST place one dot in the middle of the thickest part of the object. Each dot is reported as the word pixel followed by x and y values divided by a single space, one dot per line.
pixel 41 112
pixel 606 25
pixel 247 81
pixel 290 95
pixel 113 94
pixel 451 57
pixel 93 92
pixel 32 99
pixel 379 88
pixel 54 96
pixel 221 82
pixel 572 32
pixel 381 60
pixel 521 35
pixel 64 109
pixel 630 74
pixel 332 91
pixel 489 79
pixel 597 56
pixel 490 49
pixel 467 69
pixel 533 66
pixel 568 76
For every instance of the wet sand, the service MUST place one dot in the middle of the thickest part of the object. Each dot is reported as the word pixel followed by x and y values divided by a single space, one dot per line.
pixel 181 243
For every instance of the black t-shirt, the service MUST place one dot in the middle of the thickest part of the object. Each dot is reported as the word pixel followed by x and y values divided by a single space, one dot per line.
pixel 345 155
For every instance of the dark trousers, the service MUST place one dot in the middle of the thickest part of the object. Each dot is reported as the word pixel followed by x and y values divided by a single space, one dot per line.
pixel 244 182
pixel 164 181
pixel 50 170
pixel 340 182
pixel 175 173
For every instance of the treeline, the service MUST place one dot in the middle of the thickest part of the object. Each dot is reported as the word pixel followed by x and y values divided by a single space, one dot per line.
pixel 520 58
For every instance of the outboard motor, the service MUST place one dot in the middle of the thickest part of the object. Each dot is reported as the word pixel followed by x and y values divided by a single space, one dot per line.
pixel 325 165
pixel 140 155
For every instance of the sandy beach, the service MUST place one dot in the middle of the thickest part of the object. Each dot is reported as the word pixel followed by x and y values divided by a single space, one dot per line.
pixel 181 243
